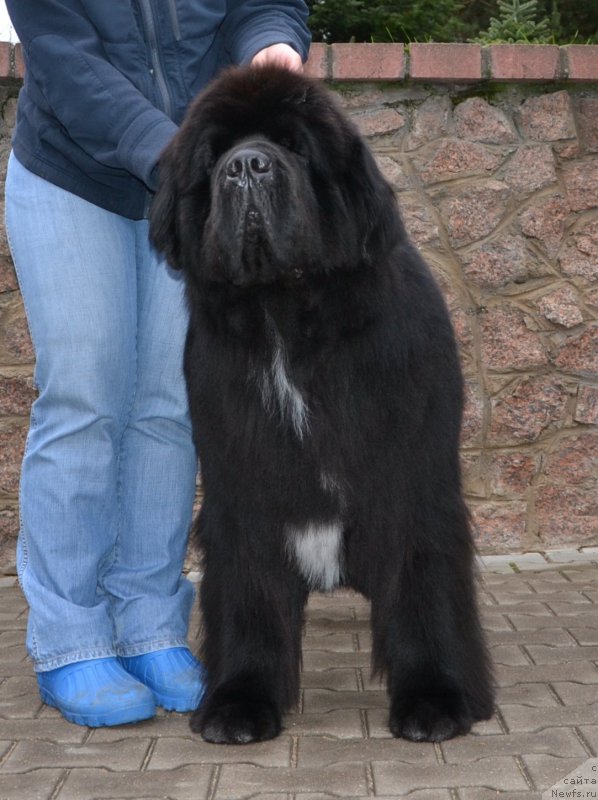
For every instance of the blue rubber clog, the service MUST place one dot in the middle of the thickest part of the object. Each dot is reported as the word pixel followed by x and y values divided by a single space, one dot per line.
pixel 96 692
pixel 174 675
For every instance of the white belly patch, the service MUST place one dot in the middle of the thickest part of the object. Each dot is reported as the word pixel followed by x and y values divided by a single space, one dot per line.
pixel 317 550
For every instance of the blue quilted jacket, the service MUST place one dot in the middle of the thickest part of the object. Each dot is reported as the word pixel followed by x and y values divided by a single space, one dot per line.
pixel 107 82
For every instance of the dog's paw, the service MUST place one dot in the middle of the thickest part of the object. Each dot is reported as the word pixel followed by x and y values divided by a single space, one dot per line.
pixel 430 718
pixel 237 720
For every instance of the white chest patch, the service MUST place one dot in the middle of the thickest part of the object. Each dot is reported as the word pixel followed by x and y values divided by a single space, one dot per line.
pixel 279 392
pixel 317 549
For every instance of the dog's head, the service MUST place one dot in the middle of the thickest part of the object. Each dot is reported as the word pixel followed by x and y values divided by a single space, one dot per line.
pixel 268 178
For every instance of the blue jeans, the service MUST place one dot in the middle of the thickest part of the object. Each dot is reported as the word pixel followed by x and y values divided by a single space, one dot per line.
pixel 109 471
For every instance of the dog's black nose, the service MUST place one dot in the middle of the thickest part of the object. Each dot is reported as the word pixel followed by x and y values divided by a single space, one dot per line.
pixel 248 163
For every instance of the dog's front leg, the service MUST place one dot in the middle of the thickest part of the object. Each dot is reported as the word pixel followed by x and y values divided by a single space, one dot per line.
pixel 428 639
pixel 252 608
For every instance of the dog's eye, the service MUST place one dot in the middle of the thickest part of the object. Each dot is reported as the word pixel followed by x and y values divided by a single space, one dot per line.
pixel 294 145
pixel 203 161
pixel 210 166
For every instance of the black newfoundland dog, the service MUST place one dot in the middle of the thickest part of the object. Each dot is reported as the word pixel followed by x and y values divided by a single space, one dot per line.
pixel 326 397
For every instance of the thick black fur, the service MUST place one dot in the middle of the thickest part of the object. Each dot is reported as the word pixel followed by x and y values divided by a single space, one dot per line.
pixel 293 249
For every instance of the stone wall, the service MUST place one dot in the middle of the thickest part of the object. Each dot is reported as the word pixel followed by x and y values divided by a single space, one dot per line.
pixel 494 156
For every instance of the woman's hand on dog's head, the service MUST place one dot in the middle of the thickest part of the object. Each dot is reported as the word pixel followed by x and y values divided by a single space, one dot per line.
pixel 281 55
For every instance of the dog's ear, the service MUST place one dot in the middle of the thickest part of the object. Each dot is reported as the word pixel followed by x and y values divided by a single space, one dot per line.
pixel 163 215
pixel 375 206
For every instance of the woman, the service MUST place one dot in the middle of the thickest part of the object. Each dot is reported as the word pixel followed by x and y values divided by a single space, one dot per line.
pixel 108 476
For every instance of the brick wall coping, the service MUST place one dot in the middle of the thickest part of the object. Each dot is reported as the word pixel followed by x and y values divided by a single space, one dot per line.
pixel 454 63
pixel 430 63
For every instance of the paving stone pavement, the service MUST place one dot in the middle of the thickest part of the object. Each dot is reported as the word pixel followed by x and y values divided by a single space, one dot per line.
pixel 541 615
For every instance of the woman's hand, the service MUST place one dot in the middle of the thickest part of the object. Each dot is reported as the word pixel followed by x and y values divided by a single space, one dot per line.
pixel 281 55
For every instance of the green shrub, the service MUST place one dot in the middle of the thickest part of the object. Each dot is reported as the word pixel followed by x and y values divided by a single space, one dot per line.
pixel 376 21
pixel 558 21
pixel 517 23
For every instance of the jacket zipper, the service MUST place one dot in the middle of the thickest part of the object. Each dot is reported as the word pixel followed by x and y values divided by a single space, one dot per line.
pixel 174 16
pixel 149 24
